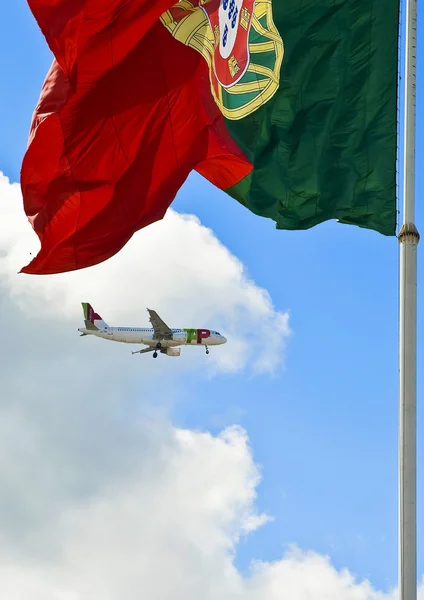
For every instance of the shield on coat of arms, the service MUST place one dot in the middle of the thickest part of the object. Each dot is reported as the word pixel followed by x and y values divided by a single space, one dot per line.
pixel 241 45
pixel 230 20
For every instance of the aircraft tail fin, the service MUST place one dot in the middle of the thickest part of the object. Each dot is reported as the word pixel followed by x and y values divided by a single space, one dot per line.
pixel 92 320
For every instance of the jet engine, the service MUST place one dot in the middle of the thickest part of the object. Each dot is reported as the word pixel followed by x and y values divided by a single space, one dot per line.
pixel 173 351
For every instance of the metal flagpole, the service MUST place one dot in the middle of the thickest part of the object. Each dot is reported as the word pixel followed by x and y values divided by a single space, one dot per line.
pixel 408 240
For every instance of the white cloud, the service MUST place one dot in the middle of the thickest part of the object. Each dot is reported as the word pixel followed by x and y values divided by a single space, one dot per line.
pixel 176 266
pixel 169 532
pixel 101 498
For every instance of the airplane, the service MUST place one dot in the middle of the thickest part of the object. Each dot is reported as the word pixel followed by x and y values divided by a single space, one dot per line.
pixel 159 338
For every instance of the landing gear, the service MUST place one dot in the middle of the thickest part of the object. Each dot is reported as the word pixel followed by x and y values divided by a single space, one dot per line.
pixel 155 354
pixel 158 347
pixel 207 350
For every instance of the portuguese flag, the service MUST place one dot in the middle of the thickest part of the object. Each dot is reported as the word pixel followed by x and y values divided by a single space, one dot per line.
pixel 289 106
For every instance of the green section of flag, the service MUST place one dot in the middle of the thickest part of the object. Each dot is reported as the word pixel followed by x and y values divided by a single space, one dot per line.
pixel 324 146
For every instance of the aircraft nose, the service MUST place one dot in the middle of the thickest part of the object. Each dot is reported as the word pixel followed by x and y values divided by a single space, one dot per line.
pixel 223 340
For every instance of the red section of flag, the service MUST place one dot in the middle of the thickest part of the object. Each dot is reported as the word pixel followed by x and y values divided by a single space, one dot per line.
pixel 124 115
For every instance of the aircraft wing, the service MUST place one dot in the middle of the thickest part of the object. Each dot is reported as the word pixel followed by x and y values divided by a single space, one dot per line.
pixel 143 351
pixel 161 329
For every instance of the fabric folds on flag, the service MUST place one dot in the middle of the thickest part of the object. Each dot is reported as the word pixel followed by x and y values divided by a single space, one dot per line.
pixel 290 107
pixel 124 116
pixel 325 145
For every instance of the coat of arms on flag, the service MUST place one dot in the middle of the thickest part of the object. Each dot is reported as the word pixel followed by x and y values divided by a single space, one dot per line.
pixel 241 45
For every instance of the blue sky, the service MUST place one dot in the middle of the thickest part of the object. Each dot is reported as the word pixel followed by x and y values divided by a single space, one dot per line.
pixel 325 429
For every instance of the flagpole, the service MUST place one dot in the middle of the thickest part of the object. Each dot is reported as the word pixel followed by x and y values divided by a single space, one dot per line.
pixel 408 240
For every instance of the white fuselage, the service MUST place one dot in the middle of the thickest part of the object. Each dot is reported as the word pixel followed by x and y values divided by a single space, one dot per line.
pixel 141 335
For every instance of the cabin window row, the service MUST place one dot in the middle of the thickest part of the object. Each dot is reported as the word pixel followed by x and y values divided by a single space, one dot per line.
pixel 140 330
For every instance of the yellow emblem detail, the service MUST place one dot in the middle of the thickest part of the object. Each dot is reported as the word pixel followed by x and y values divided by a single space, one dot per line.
pixel 266 49
pixel 244 18
pixel 233 66
pixel 216 34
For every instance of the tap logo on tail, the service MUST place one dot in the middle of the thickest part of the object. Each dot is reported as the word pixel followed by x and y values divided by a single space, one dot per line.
pixel 241 45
